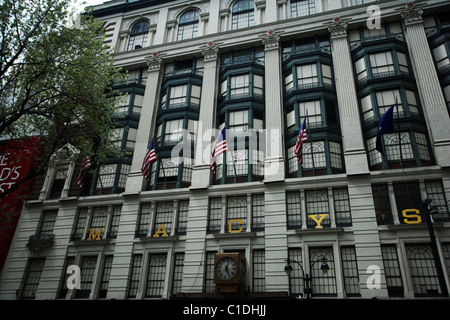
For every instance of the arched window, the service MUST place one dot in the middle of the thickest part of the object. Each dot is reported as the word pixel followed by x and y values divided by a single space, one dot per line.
pixel 188 25
pixel 243 13
pixel 139 35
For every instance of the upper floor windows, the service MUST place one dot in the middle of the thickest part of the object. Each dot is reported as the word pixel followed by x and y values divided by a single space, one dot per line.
pixel 300 8
pixel 139 35
pixel 188 25
pixel 243 14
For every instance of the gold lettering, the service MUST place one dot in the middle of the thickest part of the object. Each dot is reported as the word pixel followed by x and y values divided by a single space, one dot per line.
pixel 95 236
pixel 415 216
pixel 230 224
pixel 318 221
pixel 161 230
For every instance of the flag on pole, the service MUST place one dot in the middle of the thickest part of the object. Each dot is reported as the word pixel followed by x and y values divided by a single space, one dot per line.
pixel 386 125
pixel 302 137
pixel 150 157
pixel 219 147
pixel 85 165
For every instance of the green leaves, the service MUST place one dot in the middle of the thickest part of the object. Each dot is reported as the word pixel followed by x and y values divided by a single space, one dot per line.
pixel 56 81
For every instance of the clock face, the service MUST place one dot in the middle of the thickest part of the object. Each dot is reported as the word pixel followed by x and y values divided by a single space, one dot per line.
pixel 226 268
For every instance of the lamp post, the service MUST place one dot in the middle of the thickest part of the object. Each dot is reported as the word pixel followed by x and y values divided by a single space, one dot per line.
pixel 307 290
pixel 434 249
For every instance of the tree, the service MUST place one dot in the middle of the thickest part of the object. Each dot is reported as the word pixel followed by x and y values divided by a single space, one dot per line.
pixel 57 82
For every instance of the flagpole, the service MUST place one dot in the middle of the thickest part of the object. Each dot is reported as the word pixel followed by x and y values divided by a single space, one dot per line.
pixel 399 133
pixel 311 144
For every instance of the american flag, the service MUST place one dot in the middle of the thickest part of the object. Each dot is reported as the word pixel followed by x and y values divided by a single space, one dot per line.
pixel 86 164
pixel 150 157
pixel 219 147
pixel 302 137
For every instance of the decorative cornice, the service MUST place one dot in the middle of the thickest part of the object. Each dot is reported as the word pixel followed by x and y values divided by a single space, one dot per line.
pixel 271 39
pixel 411 13
pixel 210 51
pixel 154 61
pixel 338 27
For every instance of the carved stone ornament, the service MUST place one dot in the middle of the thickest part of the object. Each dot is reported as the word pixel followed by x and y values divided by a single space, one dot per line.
pixel 338 27
pixel 154 61
pixel 210 51
pixel 271 39
pixel 411 13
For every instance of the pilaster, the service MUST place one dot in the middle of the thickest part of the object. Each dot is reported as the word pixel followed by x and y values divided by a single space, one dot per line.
pixel 202 172
pixel 146 128
pixel 274 158
pixel 353 143
pixel 430 92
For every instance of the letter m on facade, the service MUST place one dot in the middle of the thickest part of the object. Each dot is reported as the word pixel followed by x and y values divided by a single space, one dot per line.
pixel 96 235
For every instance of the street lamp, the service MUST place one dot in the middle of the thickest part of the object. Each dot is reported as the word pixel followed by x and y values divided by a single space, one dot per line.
pixel 307 290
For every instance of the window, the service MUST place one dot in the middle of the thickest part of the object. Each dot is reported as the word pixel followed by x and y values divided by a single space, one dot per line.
pixel 300 8
pixel 312 109
pixel 381 63
pixel 342 207
pixel 139 35
pixel 238 164
pixel 156 276
pixel 88 266
pixel 382 204
pixel 106 176
pixel 114 224
pixel 392 271
pixel 315 158
pixel 350 271
pixel 422 146
pixel 335 155
pixel 178 273
pixel 215 215
pixel 240 86
pixel 209 285
pixel 441 56
pixel 32 278
pixel 422 269
pixel 80 224
pixel 307 76
pixel 236 210
pixel 48 223
pixel 361 72
pixel 257 212
pixel 243 15
pixel 188 25
pixel 317 203
pixel 296 282
pixel 178 96
pixel 326 74
pixel 238 121
pixel 386 99
pixel 374 155
pixel 98 221
pixel 173 131
pixel 144 220
pixel 324 284
pixel 293 211
pixel 439 205
pixel 259 271
pixel 135 275
pixel 59 181
pixel 392 146
pixel 105 277
pixel 407 196
pixel 402 62
pixel 164 216
pixel 183 210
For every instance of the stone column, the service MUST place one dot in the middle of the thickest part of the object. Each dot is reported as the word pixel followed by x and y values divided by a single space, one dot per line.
pixel 201 174
pixel 430 91
pixel 274 198
pixel 353 142
pixel 274 158
pixel 146 128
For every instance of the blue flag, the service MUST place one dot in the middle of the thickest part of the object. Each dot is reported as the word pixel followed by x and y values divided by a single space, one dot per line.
pixel 386 125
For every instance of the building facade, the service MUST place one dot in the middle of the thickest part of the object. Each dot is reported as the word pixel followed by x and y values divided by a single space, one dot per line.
pixel 258 69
